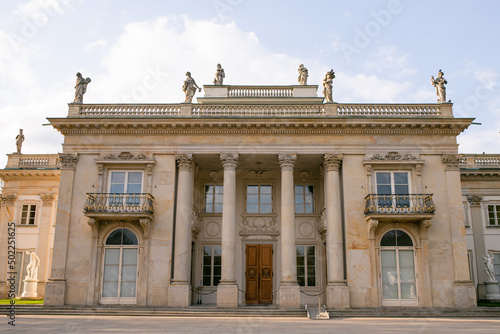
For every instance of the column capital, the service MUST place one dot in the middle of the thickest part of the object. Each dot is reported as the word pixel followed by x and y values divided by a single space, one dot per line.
pixel 332 161
pixel 68 160
pixel 475 200
pixel 184 161
pixel 8 199
pixel 452 161
pixel 287 161
pixel 229 160
pixel 47 199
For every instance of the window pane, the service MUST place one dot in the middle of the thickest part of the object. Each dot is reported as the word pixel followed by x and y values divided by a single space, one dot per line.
pixel 24 214
pixel 383 189
pixel 219 189
pixel 301 271
pixel 266 189
pixel 311 281
pixel 117 188
pixel 300 260
pixel 127 289
pixel 252 199
pixel 115 237
pixel 299 199
pixel 118 177
pixel 129 237
pixel 389 239
pixel 309 208
pixel 300 250
pixel 403 239
pixel 390 291
pixel 252 208
pixel 135 177
pixel 388 258
pixel 217 250
pixel 129 273
pixel 252 189
pixel 216 280
pixel 207 250
pixel 32 214
pixel 299 208
pixel 408 291
pixel 266 208
pixel 111 273
pixel 134 189
pixel 217 270
pixel 400 178
pixel 401 190
pixel 299 190
pixel 112 256
pixel 129 256
pixel 218 198
pixel 310 250
pixel 266 199
pixel 206 280
pixel 301 281
pixel 110 289
pixel 217 208
pixel 383 178
pixel 207 271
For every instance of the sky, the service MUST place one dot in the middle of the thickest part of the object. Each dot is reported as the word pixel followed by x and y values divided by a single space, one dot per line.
pixel 138 51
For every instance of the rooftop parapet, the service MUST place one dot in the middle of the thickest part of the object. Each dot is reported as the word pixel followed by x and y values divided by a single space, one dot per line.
pixel 484 161
pixel 32 161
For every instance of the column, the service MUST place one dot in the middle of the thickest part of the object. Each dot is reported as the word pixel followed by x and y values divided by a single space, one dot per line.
pixel 7 206
pixel 289 291
pixel 56 286
pixel 479 248
pixel 227 290
pixel 464 292
pixel 337 292
pixel 179 291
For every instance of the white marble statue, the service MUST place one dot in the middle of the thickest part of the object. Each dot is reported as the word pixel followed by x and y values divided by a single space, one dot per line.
pixel 489 267
pixel 219 75
pixel 80 87
pixel 19 141
pixel 189 87
pixel 303 74
pixel 32 268
pixel 440 83
pixel 328 86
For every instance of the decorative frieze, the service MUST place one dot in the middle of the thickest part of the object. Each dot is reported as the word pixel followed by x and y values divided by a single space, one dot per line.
pixel 452 161
pixel 266 225
pixel 287 161
pixel 125 156
pixel 393 156
pixel 475 200
pixel 8 199
pixel 229 160
pixel 47 199
pixel 184 161
pixel 68 160
pixel 332 162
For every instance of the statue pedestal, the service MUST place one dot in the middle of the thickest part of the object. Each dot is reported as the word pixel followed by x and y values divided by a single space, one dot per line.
pixel 30 287
pixel 492 291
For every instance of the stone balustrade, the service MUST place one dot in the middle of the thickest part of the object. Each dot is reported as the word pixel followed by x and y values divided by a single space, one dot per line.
pixel 480 161
pixel 32 161
pixel 259 111
pixel 129 110
pixel 272 91
pixel 389 110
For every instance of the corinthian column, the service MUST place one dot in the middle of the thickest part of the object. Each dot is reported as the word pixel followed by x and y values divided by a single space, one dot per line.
pixel 179 291
pixel 227 290
pixel 337 292
pixel 289 292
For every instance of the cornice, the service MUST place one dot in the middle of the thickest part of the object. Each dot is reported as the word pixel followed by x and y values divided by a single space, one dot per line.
pixel 13 174
pixel 297 125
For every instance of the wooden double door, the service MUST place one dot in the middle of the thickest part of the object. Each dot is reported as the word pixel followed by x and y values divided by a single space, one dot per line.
pixel 259 274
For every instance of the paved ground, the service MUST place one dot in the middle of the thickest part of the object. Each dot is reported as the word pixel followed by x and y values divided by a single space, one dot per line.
pixel 111 324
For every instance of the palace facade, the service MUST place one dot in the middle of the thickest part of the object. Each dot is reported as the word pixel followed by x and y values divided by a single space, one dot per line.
pixel 256 195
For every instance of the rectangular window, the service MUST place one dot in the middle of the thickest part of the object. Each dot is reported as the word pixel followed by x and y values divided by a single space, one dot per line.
pixel 28 214
pixel 125 182
pixel 306 265
pixel 212 256
pixel 393 183
pixel 213 198
pixel 493 215
pixel 259 199
pixel 304 198
pixel 496 265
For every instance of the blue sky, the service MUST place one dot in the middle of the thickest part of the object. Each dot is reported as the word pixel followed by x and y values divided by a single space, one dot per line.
pixel 138 52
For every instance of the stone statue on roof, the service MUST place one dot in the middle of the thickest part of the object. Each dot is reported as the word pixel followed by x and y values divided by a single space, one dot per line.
pixel 303 74
pixel 328 86
pixel 439 84
pixel 19 141
pixel 80 87
pixel 189 87
pixel 219 75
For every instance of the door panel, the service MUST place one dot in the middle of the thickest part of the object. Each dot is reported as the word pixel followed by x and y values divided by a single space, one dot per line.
pixel 259 274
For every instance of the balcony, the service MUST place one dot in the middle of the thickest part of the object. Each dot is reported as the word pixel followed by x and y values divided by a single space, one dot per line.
pixel 119 206
pixel 399 207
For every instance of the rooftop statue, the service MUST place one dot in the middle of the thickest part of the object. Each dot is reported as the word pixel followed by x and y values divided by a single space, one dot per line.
pixel 189 87
pixel 489 267
pixel 303 74
pixel 328 86
pixel 440 88
pixel 219 75
pixel 19 141
pixel 80 87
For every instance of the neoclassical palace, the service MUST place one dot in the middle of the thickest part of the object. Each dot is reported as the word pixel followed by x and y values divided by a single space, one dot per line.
pixel 255 195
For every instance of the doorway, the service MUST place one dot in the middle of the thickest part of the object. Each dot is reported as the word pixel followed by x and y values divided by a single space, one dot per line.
pixel 259 274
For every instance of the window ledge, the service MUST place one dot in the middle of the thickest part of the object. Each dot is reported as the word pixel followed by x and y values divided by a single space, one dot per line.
pixel 24 225
pixel 492 226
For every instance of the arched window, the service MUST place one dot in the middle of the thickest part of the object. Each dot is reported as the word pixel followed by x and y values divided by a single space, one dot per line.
pixel 398 269
pixel 119 281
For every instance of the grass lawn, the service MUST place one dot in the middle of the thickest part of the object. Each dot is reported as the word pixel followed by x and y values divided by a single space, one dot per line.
pixel 491 304
pixel 21 302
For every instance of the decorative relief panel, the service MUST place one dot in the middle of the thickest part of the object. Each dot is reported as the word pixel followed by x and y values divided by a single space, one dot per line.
pixel 305 229
pixel 393 156
pixel 212 227
pixel 259 225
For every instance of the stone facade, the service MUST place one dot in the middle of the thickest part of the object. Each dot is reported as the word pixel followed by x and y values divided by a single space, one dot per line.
pixel 257 195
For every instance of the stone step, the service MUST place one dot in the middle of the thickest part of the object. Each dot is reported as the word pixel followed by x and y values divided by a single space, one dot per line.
pixel 252 311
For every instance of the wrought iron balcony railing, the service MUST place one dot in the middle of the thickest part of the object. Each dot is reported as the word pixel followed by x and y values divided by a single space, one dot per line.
pixel 119 203
pixel 399 204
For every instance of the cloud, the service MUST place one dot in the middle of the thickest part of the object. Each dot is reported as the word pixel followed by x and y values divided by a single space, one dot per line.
pixel 40 10
pixel 390 61
pixel 90 47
